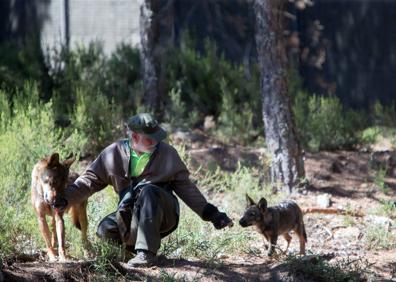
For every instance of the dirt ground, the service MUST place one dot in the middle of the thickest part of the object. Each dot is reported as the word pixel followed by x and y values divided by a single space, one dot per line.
pixel 345 178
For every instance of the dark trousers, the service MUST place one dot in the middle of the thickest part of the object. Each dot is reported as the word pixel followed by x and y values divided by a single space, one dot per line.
pixel 142 218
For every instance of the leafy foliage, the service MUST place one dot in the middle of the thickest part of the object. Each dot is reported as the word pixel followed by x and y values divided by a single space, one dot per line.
pixel 208 85
pixel 323 124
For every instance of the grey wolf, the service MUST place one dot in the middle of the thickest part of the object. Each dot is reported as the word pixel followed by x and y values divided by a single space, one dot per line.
pixel 49 179
pixel 274 221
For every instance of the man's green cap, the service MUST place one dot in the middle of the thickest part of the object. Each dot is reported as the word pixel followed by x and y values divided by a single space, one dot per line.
pixel 148 125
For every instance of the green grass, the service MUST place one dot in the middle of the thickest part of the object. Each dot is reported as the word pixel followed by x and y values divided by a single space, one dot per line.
pixel 379 180
pixel 378 237
pixel 386 208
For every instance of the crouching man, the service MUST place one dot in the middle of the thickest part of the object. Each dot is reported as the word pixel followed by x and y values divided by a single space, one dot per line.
pixel 145 172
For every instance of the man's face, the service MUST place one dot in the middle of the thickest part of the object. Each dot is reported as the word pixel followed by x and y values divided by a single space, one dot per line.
pixel 142 143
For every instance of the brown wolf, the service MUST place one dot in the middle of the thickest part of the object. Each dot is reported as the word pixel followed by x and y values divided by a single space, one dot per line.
pixel 275 221
pixel 49 179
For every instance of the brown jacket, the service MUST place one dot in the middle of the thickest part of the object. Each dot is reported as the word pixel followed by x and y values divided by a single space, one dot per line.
pixel 111 167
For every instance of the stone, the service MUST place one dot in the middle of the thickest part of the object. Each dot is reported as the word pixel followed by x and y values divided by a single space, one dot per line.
pixel 323 200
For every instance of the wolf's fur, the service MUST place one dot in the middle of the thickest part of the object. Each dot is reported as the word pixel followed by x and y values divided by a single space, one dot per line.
pixel 275 221
pixel 49 179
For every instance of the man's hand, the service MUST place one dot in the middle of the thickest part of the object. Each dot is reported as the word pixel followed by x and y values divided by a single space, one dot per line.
pixel 221 220
pixel 60 204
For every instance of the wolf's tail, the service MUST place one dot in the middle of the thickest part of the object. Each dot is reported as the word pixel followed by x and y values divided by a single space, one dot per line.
pixel 78 215
pixel 303 231
pixel 301 223
pixel 74 217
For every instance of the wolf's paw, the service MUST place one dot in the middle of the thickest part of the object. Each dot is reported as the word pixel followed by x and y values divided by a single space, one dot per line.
pixel 51 255
pixel 52 258
pixel 64 258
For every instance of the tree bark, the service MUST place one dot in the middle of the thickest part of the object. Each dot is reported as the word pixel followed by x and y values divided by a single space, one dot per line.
pixel 149 37
pixel 287 166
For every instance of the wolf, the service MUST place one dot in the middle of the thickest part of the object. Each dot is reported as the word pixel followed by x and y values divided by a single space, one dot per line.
pixel 49 179
pixel 275 221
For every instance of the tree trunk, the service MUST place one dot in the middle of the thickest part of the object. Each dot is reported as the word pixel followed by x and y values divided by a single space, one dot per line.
pixel 287 166
pixel 149 36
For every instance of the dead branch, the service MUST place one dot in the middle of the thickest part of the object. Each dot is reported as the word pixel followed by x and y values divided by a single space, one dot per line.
pixel 332 211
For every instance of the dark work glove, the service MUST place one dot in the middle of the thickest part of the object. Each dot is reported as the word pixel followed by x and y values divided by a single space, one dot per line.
pixel 60 204
pixel 219 219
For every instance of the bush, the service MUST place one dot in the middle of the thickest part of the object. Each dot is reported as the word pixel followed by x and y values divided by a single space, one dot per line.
pixel 96 122
pixel 123 78
pixel 20 63
pixel 117 77
pixel 209 85
pixel 323 124
pixel 383 115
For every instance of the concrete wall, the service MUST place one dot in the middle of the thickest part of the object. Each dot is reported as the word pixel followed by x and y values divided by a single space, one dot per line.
pixel 108 21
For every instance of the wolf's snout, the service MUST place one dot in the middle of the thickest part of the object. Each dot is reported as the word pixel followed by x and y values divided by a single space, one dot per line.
pixel 49 199
pixel 242 222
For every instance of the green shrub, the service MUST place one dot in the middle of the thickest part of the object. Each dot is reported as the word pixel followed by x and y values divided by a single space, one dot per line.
pixel 370 135
pixel 22 62
pixel 123 78
pixel 379 180
pixel 177 113
pixel 209 85
pixel 96 122
pixel 383 115
pixel 323 124
pixel 236 120
pixel 116 76
pixel 387 208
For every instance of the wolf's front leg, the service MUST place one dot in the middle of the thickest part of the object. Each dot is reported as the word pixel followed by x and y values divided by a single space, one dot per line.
pixel 53 231
pixel 60 232
pixel 273 240
pixel 47 237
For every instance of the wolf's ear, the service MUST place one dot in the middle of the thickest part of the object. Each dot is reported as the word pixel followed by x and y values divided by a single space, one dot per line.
pixel 53 160
pixel 249 201
pixel 262 205
pixel 69 161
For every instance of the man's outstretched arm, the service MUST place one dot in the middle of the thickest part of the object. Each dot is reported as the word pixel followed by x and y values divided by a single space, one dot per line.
pixel 190 194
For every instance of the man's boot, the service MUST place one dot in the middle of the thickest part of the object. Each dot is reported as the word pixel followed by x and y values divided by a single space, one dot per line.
pixel 143 258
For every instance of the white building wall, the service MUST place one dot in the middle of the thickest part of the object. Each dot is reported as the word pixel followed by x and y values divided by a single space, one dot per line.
pixel 108 21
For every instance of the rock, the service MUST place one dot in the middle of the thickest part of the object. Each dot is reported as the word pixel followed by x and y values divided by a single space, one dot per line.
pixel 364 185
pixel 185 137
pixel 209 123
pixel 323 200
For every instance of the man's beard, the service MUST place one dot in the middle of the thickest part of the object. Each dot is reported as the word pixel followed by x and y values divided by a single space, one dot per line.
pixel 138 146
